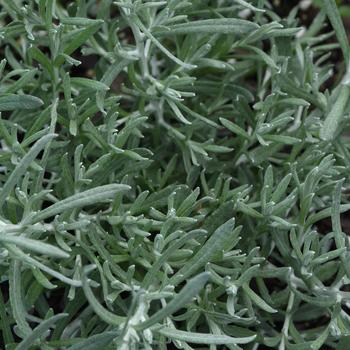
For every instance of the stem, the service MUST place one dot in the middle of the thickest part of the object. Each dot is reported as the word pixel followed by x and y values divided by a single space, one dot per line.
pixel 286 321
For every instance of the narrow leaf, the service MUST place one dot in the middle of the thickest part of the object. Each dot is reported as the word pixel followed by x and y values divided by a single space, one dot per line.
pixel 39 331
pixel 192 288
pixel 336 114
pixel 34 246
pixel 89 83
pixel 15 291
pixel 202 338
pixel 14 102
pixel 22 166
pixel 331 9
pixel 234 128
pixel 88 197
pixel 258 300
pixel 219 25
pixel 103 313
pixel 79 40
pixel 216 243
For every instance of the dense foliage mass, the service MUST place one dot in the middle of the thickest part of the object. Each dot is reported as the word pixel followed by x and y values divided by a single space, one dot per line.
pixel 172 176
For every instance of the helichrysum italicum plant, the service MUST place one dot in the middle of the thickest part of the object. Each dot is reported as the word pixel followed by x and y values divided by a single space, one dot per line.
pixel 164 170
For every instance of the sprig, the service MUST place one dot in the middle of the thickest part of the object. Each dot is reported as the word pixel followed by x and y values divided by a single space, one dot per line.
pixel 173 173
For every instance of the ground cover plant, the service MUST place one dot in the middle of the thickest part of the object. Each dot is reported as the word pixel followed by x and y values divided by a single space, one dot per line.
pixel 174 175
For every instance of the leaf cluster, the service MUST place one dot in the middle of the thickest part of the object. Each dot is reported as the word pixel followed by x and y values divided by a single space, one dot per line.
pixel 167 173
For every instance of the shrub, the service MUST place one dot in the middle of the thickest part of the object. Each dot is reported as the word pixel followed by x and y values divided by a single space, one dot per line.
pixel 173 175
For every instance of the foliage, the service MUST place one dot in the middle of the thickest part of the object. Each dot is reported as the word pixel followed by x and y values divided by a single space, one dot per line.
pixel 168 169
pixel 343 6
